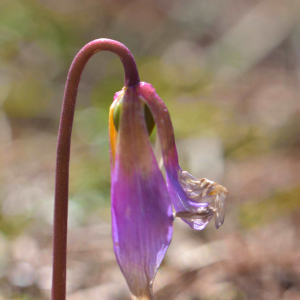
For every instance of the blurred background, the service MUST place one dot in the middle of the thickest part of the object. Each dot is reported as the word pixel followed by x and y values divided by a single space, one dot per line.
pixel 229 72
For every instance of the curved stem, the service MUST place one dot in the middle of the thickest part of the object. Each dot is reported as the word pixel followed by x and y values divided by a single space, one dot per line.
pixel 63 150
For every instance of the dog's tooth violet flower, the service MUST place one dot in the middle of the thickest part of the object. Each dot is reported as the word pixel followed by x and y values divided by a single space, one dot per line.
pixel 141 200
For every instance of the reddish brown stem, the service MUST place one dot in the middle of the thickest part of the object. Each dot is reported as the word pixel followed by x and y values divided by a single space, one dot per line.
pixel 63 150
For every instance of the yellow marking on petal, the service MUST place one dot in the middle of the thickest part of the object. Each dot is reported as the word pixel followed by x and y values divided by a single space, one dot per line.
pixel 113 134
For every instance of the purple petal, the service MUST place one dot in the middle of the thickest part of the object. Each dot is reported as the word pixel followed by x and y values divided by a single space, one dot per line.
pixel 195 201
pixel 141 207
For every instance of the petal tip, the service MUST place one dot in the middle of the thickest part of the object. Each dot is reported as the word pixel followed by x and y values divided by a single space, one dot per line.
pixel 204 199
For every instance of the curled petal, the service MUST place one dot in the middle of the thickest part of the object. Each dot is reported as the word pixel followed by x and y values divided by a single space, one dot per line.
pixel 195 201
pixel 141 207
pixel 206 199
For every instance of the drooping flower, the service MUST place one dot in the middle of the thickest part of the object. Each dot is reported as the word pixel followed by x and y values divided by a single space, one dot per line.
pixel 141 200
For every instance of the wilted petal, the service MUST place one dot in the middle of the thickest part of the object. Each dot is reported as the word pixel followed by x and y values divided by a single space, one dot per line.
pixel 141 208
pixel 206 199
pixel 195 201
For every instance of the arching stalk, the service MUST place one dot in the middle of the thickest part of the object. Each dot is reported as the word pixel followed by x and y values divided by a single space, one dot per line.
pixel 63 150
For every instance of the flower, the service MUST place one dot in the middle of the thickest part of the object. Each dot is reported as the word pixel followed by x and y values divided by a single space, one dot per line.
pixel 141 200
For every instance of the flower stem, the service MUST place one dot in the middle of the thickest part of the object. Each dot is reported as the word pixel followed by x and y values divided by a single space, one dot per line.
pixel 63 150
